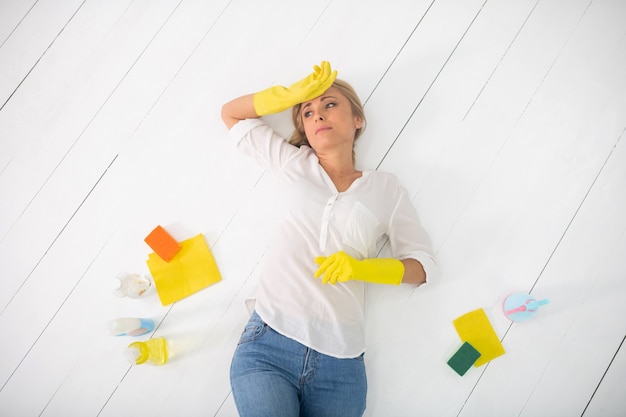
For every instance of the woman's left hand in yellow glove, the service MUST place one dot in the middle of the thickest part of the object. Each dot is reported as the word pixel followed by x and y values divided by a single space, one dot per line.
pixel 341 267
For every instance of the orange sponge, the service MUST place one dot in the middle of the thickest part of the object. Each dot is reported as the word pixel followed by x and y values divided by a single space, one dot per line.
pixel 162 243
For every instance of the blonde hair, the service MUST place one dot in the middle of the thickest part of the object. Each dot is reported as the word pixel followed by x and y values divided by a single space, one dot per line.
pixel 298 137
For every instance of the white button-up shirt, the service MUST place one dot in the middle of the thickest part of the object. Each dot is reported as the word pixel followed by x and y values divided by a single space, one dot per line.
pixel 317 220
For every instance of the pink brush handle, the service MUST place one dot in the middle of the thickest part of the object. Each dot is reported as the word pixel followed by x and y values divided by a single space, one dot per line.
pixel 516 310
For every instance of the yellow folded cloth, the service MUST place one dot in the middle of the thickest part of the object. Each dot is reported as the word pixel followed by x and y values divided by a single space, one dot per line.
pixel 475 328
pixel 190 270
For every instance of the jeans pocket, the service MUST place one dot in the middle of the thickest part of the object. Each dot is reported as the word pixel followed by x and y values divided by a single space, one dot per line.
pixel 254 329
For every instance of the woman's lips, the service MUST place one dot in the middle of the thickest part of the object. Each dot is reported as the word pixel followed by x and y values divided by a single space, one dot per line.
pixel 321 129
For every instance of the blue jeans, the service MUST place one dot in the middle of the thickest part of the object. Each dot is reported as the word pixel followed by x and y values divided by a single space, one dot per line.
pixel 272 375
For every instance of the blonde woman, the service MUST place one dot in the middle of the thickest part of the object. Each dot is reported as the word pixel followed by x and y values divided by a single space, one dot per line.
pixel 302 351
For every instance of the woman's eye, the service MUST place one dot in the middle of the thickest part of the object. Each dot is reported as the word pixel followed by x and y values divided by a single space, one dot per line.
pixel 329 105
pixel 307 113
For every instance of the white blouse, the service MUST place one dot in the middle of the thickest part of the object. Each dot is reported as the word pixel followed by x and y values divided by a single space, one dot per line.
pixel 317 220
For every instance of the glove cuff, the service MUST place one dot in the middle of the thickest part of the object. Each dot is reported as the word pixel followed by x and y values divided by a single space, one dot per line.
pixel 384 271
pixel 269 101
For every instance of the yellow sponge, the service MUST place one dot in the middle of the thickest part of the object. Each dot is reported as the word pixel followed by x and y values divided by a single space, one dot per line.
pixel 475 328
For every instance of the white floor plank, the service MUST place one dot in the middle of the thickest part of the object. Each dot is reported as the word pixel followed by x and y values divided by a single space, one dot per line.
pixel 414 70
pixel 29 30
pixel 12 12
pixel 609 400
pixel 63 117
pixel 565 345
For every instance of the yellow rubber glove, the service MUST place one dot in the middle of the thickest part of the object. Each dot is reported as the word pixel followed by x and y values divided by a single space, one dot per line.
pixel 278 98
pixel 341 267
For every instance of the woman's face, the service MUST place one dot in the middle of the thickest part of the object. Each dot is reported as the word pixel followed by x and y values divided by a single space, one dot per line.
pixel 329 122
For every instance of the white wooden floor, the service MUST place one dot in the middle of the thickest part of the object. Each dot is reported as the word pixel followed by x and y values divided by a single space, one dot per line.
pixel 505 120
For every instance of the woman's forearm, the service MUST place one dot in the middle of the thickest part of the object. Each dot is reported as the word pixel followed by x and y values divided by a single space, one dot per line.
pixel 238 109
pixel 413 272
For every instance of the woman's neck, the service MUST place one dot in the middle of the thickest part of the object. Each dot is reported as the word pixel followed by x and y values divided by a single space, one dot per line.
pixel 342 174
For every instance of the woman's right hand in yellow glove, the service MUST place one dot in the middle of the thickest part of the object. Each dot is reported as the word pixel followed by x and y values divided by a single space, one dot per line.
pixel 278 98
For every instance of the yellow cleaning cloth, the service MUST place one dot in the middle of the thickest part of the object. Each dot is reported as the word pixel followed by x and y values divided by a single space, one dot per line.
pixel 475 328
pixel 192 269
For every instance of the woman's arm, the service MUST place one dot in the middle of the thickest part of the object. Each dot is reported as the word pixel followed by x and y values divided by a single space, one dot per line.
pixel 341 267
pixel 238 109
pixel 278 98
pixel 413 272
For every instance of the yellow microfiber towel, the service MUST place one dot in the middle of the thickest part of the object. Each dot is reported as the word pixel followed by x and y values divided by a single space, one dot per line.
pixel 475 328
pixel 190 270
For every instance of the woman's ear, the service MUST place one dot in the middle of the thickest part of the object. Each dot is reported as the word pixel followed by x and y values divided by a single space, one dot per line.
pixel 358 122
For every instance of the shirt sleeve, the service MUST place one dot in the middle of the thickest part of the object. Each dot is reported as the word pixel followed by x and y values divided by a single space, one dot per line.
pixel 408 239
pixel 254 138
